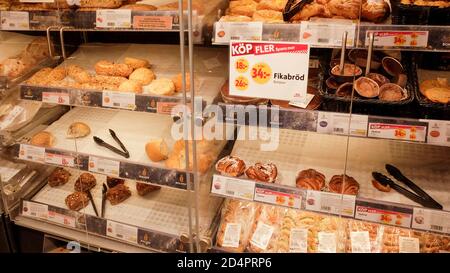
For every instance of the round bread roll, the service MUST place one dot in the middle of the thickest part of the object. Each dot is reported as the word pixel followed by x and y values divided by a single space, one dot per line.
pixel 161 87
pixel 142 75
pixel 136 63
pixel 78 73
pixel 131 86
pixel 178 81
pixel 78 130
pixel 157 150
pixel 108 68
pixel 43 139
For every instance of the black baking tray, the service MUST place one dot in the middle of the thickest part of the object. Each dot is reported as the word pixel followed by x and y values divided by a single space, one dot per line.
pixel 419 15
pixel 403 108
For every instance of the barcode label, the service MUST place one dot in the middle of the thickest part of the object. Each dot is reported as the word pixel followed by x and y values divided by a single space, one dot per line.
pixel 326 208
pixel 111 24
pixel 322 40
pixel 101 169
pixel 338 130
pixel 116 104
pixel 230 192
pixel 436 227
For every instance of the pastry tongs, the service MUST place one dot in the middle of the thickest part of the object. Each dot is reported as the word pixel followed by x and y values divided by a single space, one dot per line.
pixel 124 152
pixel 417 194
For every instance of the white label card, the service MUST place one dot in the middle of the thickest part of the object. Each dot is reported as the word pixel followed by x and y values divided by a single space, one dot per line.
pixel 233 187
pixel 34 210
pixel 56 97
pixel 33 153
pixel 438 132
pixel 360 241
pixel 408 245
pixel 15 20
pixel 262 235
pixel 337 123
pixel 105 166
pixel 61 219
pixel 327 32
pixel 340 204
pixel 398 38
pixel 298 240
pixel 432 220
pixel 61 160
pixel 232 235
pixel 8 119
pixel 113 18
pixel 327 242
pixel 226 31
pixel 122 100
pixel 121 231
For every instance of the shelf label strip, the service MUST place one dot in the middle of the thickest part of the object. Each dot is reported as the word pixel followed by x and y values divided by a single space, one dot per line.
pixel 226 31
pixel 438 132
pixel 431 220
pixel 282 197
pixel 337 124
pixel 121 231
pixel 233 187
pixel 120 100
pixel 327 32
pixel 35 210
pixel 33 153
pixel 105 166
pixel 15 20
pixel 398 38
pixel 383 214
pixel 113 18
pixel 396 129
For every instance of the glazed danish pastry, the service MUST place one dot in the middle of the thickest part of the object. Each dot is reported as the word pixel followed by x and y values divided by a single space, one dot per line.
pixel 231 165
pixel 262 172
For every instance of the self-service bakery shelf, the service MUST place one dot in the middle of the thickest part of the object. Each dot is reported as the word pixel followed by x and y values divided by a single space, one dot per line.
pixel 433 132
pixel 426 165
pixel 327 34
pixel 210 70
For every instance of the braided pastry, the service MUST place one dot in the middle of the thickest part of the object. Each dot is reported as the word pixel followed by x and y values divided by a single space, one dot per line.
pixel 262 172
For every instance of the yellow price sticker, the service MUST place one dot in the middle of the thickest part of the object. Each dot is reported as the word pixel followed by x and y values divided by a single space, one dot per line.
pixel 241 65
pixel 241 83
pixel 261 73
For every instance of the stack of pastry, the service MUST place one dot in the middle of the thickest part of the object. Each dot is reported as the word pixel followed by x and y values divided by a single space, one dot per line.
pixel 237 221
pixel 271 217
pixel 34 53
pixel 436 90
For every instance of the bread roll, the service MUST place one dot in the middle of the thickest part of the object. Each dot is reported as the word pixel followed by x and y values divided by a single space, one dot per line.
pixel 157 150
pixel 78 130
pixel 79 74
pixel 142 75
pixel 43 139
pixel 139 7
pixel 161 87
pixel 131 86
pixel 108 68
pixel 136 63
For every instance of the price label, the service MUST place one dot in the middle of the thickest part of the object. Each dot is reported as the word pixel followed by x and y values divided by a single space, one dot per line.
pixel 360 241
pixel 327 242
pixel 408 245
pixel 232 235
pixel 153 22
pixel 165 107
pixel 61 160
pixel 398 38
pixel 340 204
pixel 438 132
pixel 233 187
pixel 262 235
pixel 267 70
pixel 113 18
pixel 61 219
pixel 397 129
pixel 122 100
pixel 11 116
pixel 105 166
pixel 384 214
pixel 15 20
pixel 338 124
pixel 33 153
pixel 56 97
pixel 34 210
pixel 121 231
pixel 272 195
pixel 432 220
pixel 327 32
pixel 226 31
pixel 298 240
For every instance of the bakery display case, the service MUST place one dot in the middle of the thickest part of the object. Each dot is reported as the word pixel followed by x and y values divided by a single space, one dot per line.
pixel 107 144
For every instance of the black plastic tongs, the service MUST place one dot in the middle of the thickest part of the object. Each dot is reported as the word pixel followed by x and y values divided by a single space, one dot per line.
pixel 293 7
pixel 418 195
pixel 124 152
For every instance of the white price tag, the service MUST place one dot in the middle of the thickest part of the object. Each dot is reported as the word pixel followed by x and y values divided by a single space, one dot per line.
pixel 122 100
pixel 5 121
pixel 262 235
pixel 337 123
pixel 398 38
pixel 113 18
pixel 61 160
pixel 34 210
pixel 408 245
pixel 327 32
pixel 56 97
pixel 15 20
pixel 302 104
pixel 33 153
pixel 232 235
pixel 334 203
pixel 360 241
pixel 61 219
pixel 327 242
pixel 226 31
pixel 121 231
pixel 233 187
pixel 271 70
pixel 432 220
pixel 105 166
pixel 438 132
pixel 298 240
